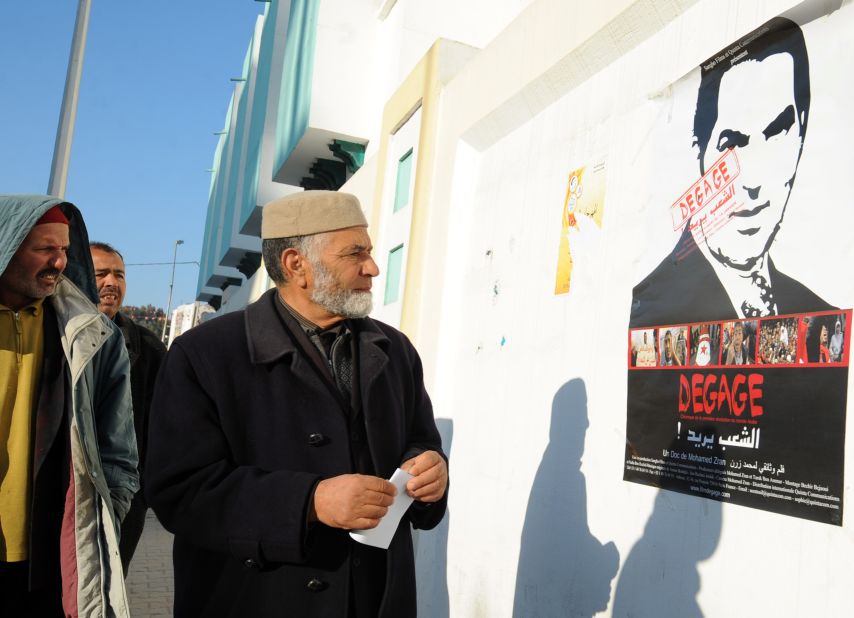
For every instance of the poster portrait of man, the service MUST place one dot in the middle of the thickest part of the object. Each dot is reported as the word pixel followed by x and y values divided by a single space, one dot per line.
pixel 747 269
pixel 738 346
pixel 754 103
pixel 673 346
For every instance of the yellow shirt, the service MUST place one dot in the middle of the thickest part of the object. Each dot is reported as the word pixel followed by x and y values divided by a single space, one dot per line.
pixel 21 352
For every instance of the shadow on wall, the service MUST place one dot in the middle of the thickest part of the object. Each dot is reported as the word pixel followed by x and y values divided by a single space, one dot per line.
pixel 660 575
pixel 563 569
pixel 431 551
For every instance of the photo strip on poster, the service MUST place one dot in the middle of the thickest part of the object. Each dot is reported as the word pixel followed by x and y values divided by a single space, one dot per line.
pixel 738 372
pixel 748 411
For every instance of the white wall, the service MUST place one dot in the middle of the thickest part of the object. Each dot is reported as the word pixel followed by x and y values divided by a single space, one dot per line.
pixel 343 61
pixel 530 388
pixel 412 26
pixel 514 363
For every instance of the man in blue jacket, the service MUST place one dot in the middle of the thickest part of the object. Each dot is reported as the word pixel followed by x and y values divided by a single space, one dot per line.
pixel 67 448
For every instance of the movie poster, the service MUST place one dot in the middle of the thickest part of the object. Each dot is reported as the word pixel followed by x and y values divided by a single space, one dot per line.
pixel 585 197
pixel 738 372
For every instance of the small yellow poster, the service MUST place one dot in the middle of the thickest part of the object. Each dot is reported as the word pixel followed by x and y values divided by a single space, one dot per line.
pixel 585 196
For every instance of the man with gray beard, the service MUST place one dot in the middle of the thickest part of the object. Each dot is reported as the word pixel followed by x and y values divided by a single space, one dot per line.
pixel 273 430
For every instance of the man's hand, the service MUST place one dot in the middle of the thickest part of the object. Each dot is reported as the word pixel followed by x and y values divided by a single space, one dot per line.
pixel 431 476
pixel 352 501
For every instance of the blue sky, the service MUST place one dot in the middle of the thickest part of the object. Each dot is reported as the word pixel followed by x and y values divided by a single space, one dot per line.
pixel 155 89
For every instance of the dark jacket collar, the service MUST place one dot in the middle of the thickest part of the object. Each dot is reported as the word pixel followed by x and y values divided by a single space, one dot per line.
pixel 269 340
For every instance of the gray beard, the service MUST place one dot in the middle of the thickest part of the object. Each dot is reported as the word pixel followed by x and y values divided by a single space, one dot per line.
pixel 336 300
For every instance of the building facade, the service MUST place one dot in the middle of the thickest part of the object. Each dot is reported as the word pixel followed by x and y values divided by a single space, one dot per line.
pixel 185 317
pixel 525 165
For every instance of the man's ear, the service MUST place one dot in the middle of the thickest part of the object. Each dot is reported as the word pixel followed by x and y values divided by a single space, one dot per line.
pixel 294 266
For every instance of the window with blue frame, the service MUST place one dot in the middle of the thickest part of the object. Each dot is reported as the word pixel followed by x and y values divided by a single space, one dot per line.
pixel 404 177
pixel 393 272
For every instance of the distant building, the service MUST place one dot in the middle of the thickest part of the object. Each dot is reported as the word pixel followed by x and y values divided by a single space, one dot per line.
pixel 186 317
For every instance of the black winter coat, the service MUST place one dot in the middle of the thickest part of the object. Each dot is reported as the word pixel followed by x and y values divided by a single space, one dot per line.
pixel 231 467
pixel 146 353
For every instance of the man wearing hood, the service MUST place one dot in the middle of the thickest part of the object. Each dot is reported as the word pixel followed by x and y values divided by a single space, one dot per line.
pixel 146 353
pixel 67 449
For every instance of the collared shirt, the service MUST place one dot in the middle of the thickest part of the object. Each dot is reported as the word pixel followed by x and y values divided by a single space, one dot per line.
pixel 739 285
pixel 21 358
pixel 333 343
pixel 322 338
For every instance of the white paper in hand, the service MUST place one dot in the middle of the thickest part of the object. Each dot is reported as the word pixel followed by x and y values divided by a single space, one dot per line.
pixel 381 535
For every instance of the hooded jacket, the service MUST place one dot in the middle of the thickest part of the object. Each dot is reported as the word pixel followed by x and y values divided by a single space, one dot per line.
pixel 96 405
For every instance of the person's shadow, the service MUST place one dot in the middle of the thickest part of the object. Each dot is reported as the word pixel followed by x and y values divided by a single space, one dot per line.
pixel 563 569
pixel 660 575
pixel 431 551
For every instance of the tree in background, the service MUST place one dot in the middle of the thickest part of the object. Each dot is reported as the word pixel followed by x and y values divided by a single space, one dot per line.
pixel 149 316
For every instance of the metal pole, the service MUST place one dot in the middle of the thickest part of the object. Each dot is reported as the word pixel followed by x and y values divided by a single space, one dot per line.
pixel 171 284
pixel 68 113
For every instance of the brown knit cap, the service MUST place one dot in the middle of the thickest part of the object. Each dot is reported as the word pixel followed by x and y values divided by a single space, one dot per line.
pixel 311 212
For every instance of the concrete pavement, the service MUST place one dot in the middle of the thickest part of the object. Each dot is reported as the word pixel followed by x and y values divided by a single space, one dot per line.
pixel 149 583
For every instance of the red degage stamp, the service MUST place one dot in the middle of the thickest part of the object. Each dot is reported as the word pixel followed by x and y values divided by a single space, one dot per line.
pixel 710 200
